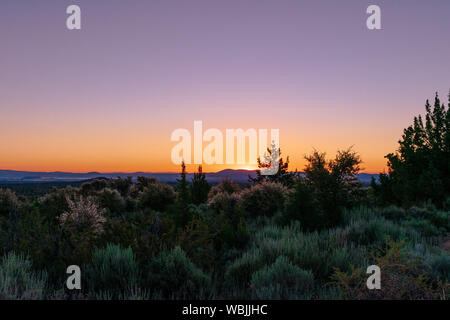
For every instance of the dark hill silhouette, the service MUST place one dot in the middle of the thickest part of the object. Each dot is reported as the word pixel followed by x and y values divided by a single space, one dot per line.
pixel 239 176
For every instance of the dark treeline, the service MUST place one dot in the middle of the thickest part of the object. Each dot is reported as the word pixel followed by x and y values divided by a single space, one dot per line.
pixel 280 237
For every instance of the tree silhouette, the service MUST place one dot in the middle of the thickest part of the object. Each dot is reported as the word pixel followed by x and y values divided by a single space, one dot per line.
pixel 181 207
pixel 326 188
pixel 199 187
pixel 420 169
pixel 283 175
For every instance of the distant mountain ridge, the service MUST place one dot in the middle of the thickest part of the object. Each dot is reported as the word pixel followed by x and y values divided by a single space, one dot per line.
pixel 239 176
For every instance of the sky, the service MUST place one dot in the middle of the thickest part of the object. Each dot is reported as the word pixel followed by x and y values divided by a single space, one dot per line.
pixel 107 97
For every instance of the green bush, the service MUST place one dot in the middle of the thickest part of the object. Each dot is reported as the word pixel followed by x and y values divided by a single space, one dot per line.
pixel 393 213
pixel 83 217
pixel 113 270
pixel 264 199
pixel 156 195
pixel 441 219
pixel 226 203
pixel 318 252
pixel 359 213
pixel 226 185
pixel 403 277
pixel 301 206
pixel 18 280
pixel 54 203
pixel 327 187
pixel 112 201
pixel 8 202
pixel 419 212
pixel 446 204
pixel 238 274
pixel 174 276
pixel 437 261
pixel 90 188
pixel 424 227
pixel 122 185
pixel 440 266
pixel 281 281
pixel 321 253
pixel 374 232
pixel 224 218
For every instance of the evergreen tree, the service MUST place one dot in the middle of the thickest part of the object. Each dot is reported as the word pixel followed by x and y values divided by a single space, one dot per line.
pixel 420 169
pixel 182 211
pixel 282 176
pixel 326 188
pixel 182 188
pixel 199 187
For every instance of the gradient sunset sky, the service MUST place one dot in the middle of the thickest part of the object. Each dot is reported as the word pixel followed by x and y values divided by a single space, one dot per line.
pixel 107 97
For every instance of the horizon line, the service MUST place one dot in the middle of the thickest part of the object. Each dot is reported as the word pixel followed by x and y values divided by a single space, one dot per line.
pixel 151 172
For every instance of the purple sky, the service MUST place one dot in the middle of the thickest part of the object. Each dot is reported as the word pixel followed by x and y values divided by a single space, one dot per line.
pixel 108 96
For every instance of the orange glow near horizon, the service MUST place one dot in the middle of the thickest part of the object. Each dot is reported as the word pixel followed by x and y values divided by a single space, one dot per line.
pixel 114 145
pixel 80 153
pixel 75 140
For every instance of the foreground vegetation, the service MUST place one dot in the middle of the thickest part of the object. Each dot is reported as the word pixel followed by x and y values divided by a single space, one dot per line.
pixel 281 237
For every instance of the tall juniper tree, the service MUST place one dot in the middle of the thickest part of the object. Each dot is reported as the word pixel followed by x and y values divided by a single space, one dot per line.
pixel 420 169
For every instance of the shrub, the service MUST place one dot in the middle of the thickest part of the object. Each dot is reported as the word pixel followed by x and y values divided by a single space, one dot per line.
pixel 8 202
pixel 231 234
pixel 90 188
pixel 112 270
pixel 320 253
pixel 424 227
pixel 264 199
pixel 302 206
pixel 440 266
pixel 174 276
pixel 111 200
pixel 238 274
pixel 228 227
pixel 446 204
pixel 328 186
pixel 317 252
pixel 227 203
pixel 375 231
pixel 83 215
pixel 18 280
pixel 281 281
pixel 30 234
pixel 9 218
pixel 402 278
pixel 81 227
pixel 393 213
pixel 419 212
pixel 226 185
pixel 441 219
pixel 197 240
pixel 147 233
pixel 52 204
pixel 359 213
pixel 436 261
pixel 156 195
pixel 122 185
